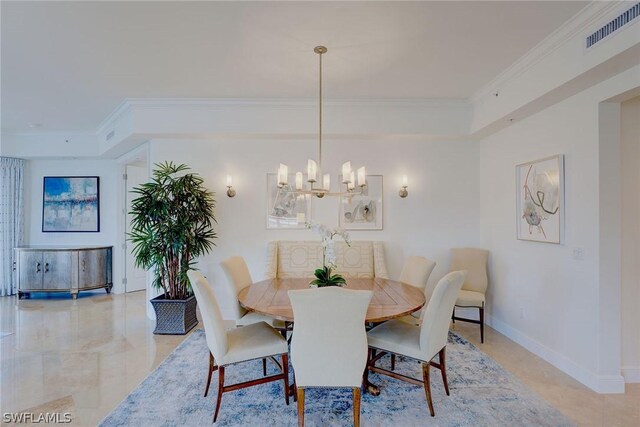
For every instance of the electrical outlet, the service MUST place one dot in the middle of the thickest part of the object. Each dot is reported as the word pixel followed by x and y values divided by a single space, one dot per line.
pixel 578 254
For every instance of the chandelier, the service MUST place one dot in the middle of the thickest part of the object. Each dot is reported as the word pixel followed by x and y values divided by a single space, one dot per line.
pixel 316 186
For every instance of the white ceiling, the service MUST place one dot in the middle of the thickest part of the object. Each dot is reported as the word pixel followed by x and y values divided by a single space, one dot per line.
pixel 67 65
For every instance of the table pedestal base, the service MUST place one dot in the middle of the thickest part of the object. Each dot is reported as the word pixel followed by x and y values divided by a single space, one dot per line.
pixel 372 389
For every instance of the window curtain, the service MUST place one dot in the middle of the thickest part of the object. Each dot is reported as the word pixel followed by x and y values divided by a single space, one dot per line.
pixel 11 219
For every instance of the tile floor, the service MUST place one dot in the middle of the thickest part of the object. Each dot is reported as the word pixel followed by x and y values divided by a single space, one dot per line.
pixel 85 356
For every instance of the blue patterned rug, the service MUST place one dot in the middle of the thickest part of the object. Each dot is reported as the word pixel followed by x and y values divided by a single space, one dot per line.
pixel 482 394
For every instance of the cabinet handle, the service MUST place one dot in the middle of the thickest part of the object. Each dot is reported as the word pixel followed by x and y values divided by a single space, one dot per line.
pixel 84 261
pixel 37 267
pixel 46 267
pixel 14 266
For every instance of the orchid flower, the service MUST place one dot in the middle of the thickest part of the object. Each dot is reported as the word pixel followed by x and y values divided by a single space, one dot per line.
pixel 329 257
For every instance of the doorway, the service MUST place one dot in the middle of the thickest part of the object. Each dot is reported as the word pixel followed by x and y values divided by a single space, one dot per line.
pixel 630 253
pixel 135 279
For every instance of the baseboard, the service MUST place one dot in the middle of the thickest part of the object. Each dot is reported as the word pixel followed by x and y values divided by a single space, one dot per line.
pixel 597 383
pixel 631 374
pixel 610 384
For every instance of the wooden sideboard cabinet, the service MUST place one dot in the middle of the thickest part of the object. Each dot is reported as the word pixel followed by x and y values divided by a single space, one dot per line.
pixel 62 269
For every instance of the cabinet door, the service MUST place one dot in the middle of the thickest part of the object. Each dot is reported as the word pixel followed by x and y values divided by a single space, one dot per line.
pixel 57 273
pixel 29 270
pixel 93 268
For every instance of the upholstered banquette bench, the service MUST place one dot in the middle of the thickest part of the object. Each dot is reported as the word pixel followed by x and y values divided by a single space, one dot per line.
pixel 299 259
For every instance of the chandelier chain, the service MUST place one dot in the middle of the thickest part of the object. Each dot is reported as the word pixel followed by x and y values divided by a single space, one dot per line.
pixel 320 52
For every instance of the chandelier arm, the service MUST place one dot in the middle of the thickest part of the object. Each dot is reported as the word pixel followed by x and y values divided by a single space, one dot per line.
pixel 322 192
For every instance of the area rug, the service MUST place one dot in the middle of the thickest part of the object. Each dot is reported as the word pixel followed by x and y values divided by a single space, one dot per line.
pixel 482 394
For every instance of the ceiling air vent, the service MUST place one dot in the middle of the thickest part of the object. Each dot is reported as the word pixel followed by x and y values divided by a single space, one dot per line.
pixel 110 135
pixel 614 25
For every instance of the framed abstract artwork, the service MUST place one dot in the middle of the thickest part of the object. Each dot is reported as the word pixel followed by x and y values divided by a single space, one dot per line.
pixel 540 200
pixel 363 211
pixel 286 209
pixel 71 204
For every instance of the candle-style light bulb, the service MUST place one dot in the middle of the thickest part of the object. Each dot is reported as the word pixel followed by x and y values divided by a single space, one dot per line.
pixel 299 180
pixel 326 182
pixel 312 171
pixel 346 172
pixel 405 181
pixel 352 181
pixel 283 174
pixel 229 181
pixel 362 176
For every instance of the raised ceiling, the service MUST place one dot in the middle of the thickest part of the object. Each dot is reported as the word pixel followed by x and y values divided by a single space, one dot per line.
pixel 67 65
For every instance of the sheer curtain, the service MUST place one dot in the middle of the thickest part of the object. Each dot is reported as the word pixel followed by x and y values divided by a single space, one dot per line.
pixel 11 218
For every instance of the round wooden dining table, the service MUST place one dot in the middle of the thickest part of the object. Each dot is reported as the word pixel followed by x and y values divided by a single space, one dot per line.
pixel 390 298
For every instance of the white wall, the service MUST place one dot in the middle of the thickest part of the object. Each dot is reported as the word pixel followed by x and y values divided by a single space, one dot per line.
pixel 537 289
pixel 107 171
pixel 539 295
pixel 38 169
pixel 441 211
pixel 630 147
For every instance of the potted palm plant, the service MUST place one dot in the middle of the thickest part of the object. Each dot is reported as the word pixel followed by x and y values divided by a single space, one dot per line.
pixel 171 226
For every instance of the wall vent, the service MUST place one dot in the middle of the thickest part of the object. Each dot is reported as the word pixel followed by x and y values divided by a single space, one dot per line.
pixel 614 25
pixel 110 135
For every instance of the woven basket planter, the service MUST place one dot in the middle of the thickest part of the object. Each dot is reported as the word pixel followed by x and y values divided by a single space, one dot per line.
pixel 174 317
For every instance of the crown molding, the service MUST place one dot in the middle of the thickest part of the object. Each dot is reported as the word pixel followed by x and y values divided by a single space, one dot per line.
pixel 416 105
pixel 590 15
pixel 109 122
pixel 297 102
pixel 278 103
pixel 70 134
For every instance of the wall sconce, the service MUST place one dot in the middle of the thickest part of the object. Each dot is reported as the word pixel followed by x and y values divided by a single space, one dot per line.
pixel 230 191
pixel 403 191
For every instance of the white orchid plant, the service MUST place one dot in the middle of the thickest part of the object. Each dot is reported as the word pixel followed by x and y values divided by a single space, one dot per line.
pixel 323 275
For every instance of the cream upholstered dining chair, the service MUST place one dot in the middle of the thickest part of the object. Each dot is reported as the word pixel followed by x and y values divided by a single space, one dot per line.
pixel 422 342
pixel 255 341
pixel 329 342
pixel 238 278
pixel 474 288
pixel 415 272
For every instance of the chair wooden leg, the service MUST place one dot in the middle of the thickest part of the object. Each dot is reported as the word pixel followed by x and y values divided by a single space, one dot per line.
pixel 285 371
pixel 300 393
pixel 356 406
pixel 264 367
pixel 295 388
pixel 212 367
pixel 482 325
pixel 443 368
pixel 453 315
pixel 426 377
pixel 393 362
pixel 220 391
pixel 365 375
